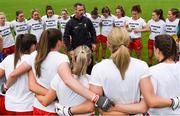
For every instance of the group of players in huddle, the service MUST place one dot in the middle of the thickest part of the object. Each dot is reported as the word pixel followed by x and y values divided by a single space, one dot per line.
pixel 37 74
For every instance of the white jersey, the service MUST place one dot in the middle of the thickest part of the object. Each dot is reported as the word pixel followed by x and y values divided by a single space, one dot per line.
pixel 121 22
pixel 107 24
pixel 19 27
pixel 18 97
pixel 136 24
pixel 156 27
pixel 5 32
pixel 106 75
pixel 166 83
pixel 50 22
pixel 172 27
pixel 62 24
pixel 96 23
pixel 36 27
pixel 85 14
pixel 49 68
pixel 65 95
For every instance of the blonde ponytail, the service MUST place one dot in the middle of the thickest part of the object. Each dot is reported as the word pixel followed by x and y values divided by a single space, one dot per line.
pixel 82 60
pixel 119 40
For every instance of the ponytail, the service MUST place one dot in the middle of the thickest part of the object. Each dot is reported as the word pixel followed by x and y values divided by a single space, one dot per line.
pixel 119 40
pixel 161 14
pixel 121 59
pixel 48 40
pixel 17 54
pixel 82 60
pixel 42 52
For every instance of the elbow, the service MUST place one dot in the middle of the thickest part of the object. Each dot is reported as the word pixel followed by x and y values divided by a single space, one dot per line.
pixel 44 104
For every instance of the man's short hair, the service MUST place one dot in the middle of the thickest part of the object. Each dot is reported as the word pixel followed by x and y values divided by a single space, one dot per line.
pixel 77 4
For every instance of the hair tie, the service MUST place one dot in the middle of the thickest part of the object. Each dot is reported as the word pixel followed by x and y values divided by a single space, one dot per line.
pixel 121 45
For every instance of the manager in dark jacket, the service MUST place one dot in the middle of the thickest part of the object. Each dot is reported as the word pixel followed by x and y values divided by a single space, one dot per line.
pixel 79 30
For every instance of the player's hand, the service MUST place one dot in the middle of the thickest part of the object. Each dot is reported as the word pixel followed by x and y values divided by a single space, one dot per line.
pixel 129 30
pixel 137 30
pixel 62 110
pixel 102 102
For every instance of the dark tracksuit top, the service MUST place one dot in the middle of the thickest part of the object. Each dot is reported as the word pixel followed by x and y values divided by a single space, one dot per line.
pixel 79 32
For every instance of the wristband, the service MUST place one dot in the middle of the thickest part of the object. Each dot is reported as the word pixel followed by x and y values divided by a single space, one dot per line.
pixel 95 98
pixel 172 103
pixel 69 111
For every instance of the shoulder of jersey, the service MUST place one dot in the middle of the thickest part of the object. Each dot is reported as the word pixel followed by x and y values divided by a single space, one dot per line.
pixel 13 21
pixel 139 62
pixel 167 20
pixel 7 23
pixel 56 16
pixel 45 16
pixel 162 21
pixel 113 16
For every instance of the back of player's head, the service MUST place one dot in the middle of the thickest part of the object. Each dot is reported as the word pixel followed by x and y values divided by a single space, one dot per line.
pixel 48 41
pixel 121 9
pixel 23 45
pixel 106 9
pixel 94 11
pixel 118 39
pixel 159 12
pixel 136 8
pixel 49 38
pixel 167 45
pixel 82 60
pixel 174 11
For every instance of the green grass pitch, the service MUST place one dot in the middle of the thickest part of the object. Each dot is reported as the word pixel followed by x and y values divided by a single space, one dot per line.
pixel 10 6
